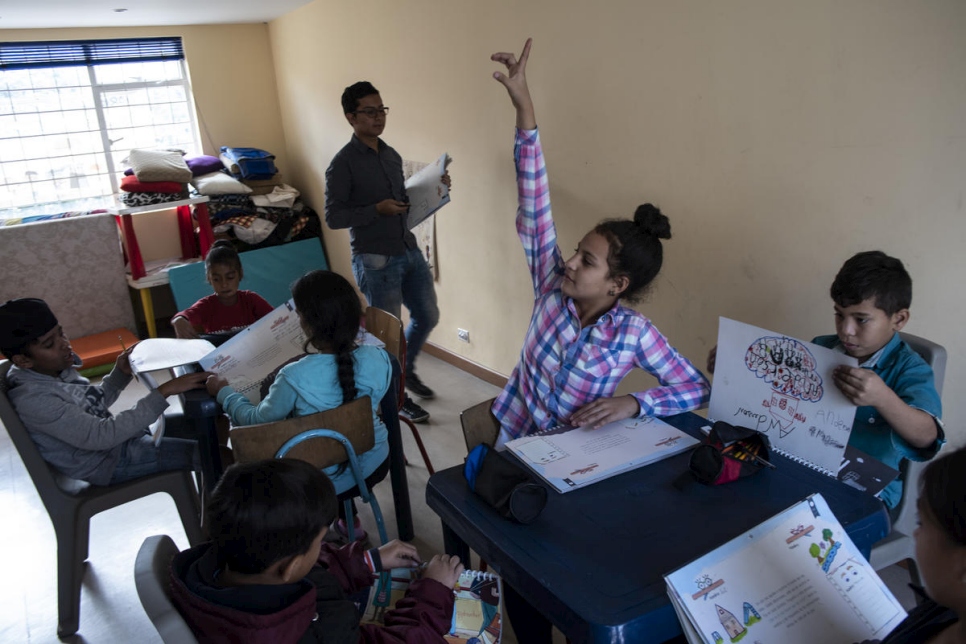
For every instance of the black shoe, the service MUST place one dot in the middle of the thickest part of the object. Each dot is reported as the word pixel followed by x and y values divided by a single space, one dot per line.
pixel 414 412
pixel 415 385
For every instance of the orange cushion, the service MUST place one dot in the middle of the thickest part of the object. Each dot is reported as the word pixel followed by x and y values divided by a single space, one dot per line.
pixel 102 348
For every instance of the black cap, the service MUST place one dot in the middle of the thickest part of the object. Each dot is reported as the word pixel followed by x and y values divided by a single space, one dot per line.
pixel 21 322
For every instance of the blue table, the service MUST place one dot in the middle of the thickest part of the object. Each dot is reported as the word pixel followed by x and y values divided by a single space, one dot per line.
pixel 594 561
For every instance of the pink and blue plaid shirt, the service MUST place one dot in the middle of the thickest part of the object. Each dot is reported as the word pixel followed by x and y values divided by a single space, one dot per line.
pixel 563 366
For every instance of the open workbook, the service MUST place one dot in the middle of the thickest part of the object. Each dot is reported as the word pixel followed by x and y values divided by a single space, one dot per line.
pixel 572 457
pixel 477 609
pixel 797 578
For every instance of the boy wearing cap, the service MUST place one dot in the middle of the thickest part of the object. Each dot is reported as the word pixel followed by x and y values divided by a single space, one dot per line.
pixel 68 417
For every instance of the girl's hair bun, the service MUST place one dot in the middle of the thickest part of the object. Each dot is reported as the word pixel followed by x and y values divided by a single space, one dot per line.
pixel 649 218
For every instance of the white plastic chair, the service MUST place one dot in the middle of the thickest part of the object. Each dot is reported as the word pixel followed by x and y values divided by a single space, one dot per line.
pixel 899 545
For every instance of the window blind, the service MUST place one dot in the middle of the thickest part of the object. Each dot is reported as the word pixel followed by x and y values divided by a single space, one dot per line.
pixel 25 55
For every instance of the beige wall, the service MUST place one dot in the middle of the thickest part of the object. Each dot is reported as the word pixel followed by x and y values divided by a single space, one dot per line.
pixel 233 82
pixel 779 137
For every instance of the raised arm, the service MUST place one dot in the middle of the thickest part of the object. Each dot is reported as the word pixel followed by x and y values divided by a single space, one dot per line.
pixel 515 82
pixel 534 220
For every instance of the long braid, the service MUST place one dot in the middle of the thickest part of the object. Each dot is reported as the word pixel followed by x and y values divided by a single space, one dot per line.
pixel 347 378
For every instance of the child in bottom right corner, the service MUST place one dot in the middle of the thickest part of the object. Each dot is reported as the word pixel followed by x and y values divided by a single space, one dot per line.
pixel 941 556
pixel 899 410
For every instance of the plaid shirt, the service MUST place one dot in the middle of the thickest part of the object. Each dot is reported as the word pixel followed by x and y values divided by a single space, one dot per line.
pixel 563 366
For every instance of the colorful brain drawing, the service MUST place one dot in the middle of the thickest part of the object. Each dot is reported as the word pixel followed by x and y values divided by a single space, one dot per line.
pixel 787 365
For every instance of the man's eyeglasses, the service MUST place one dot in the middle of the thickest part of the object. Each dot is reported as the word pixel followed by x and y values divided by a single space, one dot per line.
pixel 372 112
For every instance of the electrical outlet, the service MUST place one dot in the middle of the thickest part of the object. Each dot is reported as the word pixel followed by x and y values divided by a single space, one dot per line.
pixel 463 335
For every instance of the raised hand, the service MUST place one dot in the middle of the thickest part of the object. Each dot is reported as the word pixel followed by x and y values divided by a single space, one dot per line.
pixel 515 82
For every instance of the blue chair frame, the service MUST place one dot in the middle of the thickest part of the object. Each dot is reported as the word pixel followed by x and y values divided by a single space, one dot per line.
pixel 364 492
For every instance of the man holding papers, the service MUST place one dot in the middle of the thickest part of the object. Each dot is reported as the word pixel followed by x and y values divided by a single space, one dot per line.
pixel 365 192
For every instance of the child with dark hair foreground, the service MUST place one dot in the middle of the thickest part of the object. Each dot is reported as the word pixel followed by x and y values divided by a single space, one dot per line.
pixel 68 417
pixel 582 340
pixel 941 555
pixel 229 309
pixel 267 576
pixel 899 411
pixel 898 407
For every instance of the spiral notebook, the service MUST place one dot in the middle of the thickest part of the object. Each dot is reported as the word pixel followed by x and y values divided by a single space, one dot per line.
pixel 783 387
pixel 796 578
pixel 477 608
pixel 573 457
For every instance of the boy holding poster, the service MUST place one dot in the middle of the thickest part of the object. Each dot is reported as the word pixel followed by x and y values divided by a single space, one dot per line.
pixel 899 411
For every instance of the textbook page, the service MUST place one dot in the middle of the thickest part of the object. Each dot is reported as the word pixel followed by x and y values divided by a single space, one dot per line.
pixel 569 458
pixel 426 191
pixel 255 352
pixel 797 578
pixel 782 387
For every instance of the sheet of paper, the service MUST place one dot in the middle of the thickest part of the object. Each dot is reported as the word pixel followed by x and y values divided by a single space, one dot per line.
pixel 156 354
pixel 254 353
pixel 257 351
pixel 796 578
pixel 782 387
pixel 426 191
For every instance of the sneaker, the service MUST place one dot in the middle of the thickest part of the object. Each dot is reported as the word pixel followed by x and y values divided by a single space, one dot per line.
pixel 415 385
pixel 414 412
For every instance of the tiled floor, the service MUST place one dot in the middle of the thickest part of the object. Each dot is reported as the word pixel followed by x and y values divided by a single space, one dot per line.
pixel 110 610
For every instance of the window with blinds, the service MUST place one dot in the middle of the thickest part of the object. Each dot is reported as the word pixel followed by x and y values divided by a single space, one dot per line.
pixel 70 111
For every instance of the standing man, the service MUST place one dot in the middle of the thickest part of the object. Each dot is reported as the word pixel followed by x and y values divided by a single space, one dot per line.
pixel 364 192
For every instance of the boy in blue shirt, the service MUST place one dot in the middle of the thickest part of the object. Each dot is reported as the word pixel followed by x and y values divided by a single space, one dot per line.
pixel 899 411
pixel 898 415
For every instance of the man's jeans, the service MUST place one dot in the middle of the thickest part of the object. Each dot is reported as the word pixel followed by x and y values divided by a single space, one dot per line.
pixel 390 281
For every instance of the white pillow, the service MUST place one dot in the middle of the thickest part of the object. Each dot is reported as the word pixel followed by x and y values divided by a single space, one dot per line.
pixel 159 165
pixel 219 183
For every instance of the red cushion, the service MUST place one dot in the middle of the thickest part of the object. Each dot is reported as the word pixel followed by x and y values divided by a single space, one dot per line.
pixel 131 184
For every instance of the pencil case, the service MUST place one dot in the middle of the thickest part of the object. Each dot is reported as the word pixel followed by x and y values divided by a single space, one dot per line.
pixel 729 453
pixel 507 487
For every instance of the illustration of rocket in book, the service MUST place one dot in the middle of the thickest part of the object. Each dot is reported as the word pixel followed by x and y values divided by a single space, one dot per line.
pixel 730 623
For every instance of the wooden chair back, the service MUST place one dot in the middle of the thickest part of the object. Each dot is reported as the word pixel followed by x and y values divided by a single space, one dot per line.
pixel 353 420
pixel 389 329
pixel 479 425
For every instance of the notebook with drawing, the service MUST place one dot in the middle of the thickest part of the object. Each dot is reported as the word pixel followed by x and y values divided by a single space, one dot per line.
pixel 477 609
pixel 797 578
pixel 783 387
pixel 572 457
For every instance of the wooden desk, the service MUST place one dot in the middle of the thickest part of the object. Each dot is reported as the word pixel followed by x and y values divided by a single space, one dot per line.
pixel 593 561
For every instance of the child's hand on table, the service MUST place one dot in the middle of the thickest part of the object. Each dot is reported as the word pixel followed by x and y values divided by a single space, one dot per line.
pixel 215 383
pixel 399 554
pixel 605 410
pixel 445 569
pixel 184 383
pixel 183 329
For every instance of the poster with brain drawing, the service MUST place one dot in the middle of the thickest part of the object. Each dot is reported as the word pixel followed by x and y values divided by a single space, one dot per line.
pixel 782 387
